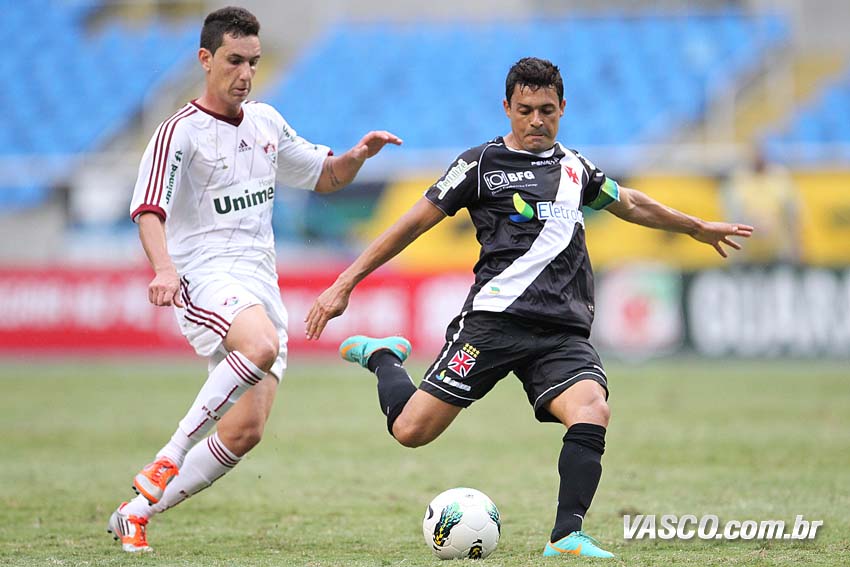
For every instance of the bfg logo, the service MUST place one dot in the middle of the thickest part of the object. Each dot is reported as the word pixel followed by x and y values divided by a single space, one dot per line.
pixel 498 180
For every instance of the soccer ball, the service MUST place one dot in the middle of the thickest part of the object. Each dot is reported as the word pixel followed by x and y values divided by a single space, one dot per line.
pixel 462 522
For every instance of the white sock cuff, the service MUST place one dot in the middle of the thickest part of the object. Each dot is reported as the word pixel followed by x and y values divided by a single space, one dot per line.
pixel 244 368
pixel 221 453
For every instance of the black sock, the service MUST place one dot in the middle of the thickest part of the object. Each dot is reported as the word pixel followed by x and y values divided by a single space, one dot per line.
pixel 580 467
pixel 394 384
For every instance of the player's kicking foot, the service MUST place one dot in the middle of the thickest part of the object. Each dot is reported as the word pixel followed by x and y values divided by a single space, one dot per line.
pixel 359 348
pixel 577 543
pixel 131 530
pixel 152 480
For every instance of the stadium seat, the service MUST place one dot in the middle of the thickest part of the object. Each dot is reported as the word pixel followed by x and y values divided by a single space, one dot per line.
pixel 817 131
pixel 629 78
pixel 103 76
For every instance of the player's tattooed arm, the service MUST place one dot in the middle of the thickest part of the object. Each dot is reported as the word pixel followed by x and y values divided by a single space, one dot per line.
pixel 328 170
pixel 639 208
pixel 339 171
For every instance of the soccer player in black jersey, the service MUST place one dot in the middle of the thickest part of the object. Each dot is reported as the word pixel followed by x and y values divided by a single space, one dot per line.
pixel 530 309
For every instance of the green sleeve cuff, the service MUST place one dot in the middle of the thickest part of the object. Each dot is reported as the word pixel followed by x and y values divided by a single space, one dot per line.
pixel 608 193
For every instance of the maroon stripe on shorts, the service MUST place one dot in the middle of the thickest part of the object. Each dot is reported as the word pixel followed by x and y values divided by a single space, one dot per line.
pixel 189 317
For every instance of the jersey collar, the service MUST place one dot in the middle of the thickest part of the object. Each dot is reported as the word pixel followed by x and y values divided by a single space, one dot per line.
pixel 230 120
pixel 546 154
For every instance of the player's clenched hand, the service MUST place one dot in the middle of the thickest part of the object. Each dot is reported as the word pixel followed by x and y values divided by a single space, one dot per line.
pixel 164 289
pixel 372 143
pixel 717 233
pixel 331 303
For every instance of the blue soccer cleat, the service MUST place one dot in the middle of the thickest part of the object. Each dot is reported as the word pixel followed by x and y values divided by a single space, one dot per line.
pixel 359 348
pixel 577 543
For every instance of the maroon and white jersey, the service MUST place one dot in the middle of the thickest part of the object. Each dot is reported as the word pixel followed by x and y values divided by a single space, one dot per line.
pixel 211 178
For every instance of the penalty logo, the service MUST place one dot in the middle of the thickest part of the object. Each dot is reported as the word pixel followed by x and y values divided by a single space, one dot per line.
pixel 449 518
pixel 493 512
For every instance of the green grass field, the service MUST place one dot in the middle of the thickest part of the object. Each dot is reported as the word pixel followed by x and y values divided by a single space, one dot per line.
pixel 328 486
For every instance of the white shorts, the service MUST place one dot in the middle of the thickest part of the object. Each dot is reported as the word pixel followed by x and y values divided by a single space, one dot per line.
pixel 212 303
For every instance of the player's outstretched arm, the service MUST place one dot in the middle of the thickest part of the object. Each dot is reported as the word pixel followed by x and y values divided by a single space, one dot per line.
pixel 639 208
pixel 339 171
pixel 333 301
pixel 164 288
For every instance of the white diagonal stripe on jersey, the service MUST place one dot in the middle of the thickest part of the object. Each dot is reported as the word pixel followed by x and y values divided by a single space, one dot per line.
pixel 160 136
pixel 553 239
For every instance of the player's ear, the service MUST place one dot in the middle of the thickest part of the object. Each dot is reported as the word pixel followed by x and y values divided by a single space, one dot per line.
pixel 205 57
pixel 507 107
pixel 563 106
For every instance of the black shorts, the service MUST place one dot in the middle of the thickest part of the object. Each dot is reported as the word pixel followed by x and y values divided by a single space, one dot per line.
pixel 482 348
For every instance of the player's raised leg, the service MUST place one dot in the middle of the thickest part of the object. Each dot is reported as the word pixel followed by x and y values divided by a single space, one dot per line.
pixel 582 408
pixel 252 343
pixel 414 417
pixel 237 433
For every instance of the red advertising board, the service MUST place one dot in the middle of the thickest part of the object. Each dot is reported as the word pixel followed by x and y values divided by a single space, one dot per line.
pixel 106 311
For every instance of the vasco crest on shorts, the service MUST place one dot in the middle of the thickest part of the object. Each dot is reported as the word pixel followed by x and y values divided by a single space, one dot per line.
pixel 463 360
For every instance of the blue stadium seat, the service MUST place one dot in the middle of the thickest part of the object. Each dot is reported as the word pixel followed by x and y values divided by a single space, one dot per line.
pixel 628 78
pixel 818 131
pixel 80 89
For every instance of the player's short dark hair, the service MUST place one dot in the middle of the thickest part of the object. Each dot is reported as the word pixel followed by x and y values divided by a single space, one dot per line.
pixel 237 22
pixel 534 73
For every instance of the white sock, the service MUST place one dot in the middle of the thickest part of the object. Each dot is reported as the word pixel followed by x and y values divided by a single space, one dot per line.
pixel 138 506
pixel 205 463
pixel 227 382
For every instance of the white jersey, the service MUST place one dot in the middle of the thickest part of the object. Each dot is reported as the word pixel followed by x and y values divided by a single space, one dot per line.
pixel 212 179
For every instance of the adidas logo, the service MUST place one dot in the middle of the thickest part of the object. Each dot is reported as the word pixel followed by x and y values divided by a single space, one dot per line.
pixel 243 147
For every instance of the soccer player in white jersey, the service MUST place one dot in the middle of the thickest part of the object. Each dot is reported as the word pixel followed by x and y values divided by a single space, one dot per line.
pixel 203 202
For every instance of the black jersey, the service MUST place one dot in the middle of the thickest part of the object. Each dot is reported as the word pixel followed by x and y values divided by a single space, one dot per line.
pixel 527 211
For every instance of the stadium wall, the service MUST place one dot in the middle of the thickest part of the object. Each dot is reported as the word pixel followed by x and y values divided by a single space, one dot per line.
pixel 643 310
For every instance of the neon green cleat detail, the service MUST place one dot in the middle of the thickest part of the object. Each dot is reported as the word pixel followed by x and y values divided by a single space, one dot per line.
pixel 577 543
pixel 359 348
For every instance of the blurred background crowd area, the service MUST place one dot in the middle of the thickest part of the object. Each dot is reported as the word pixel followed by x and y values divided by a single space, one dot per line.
pixel 734 110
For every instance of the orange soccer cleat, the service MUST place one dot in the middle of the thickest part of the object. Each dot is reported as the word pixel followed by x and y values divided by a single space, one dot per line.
pixel 131 530
pixel 152 480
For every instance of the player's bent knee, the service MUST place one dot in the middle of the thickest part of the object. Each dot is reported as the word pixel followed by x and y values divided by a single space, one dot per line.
pixel 410 435
pixel 598 411
pixel 262 351
pixel 243 439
